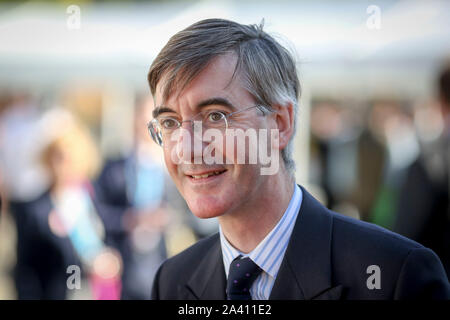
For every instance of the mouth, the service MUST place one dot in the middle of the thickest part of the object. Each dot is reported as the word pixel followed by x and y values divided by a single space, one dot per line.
pixel 204 176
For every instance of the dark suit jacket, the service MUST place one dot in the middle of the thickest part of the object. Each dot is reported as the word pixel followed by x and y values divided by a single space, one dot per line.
pixel 42 256
pixel 423 207
pixel 327 258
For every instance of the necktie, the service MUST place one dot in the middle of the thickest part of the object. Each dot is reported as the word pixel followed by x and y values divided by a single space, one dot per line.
pixel 240 278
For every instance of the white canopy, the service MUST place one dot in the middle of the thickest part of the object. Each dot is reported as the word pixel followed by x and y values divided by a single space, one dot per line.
pixel 120 41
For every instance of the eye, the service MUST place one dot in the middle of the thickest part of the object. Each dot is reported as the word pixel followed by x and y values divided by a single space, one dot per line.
pixel 169 123
pixel 216 116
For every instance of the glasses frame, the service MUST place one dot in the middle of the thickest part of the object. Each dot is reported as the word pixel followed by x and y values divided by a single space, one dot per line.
pixel 155 123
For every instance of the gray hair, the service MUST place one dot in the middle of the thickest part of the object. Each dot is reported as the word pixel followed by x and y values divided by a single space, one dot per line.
pixel 267 68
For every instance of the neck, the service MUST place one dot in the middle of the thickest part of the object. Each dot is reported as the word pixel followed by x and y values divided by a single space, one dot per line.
pixel 246 228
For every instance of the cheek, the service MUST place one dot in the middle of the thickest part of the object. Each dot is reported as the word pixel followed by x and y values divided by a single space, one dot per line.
pixel 171 166
pixel 241 147
pixel 227 148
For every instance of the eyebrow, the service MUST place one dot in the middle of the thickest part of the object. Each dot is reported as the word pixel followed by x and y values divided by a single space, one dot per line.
pixel 204 103
pixel 162 109
pixel 216 101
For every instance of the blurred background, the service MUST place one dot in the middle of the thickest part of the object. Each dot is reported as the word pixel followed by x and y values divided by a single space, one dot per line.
pixel 87 208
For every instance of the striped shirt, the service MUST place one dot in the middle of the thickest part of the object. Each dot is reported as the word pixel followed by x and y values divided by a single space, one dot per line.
pixel 270 251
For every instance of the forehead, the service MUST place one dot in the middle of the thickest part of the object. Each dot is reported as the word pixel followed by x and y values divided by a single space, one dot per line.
pixel 215 80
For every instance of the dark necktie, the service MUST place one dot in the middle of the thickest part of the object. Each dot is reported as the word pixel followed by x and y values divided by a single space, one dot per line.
pixel 240 278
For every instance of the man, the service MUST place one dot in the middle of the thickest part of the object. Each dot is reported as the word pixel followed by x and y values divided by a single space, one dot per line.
pixel 423 206
pixel 275 241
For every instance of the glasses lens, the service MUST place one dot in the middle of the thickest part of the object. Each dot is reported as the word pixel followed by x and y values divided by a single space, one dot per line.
pixel 167 126
pixel 155 132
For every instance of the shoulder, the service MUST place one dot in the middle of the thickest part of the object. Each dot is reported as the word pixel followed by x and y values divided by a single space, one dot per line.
pixel 177 270
pixel 190 256
pixel 343 232
pixel 113 167
pixel 110 185
pixel 39 207
pixel 32 216
pixel 363 244
pixel 363 234
pixel 407 269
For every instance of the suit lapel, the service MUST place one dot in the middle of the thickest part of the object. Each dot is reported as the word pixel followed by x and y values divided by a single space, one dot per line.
pixel 208 281
pixel 333 293
pixel 305 272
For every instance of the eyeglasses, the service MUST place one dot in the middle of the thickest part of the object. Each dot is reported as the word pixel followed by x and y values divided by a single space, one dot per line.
pixel 162 128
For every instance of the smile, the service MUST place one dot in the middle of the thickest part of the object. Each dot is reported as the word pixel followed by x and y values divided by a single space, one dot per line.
pixel 206 175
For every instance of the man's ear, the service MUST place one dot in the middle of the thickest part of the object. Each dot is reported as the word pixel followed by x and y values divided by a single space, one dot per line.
pixel 284 118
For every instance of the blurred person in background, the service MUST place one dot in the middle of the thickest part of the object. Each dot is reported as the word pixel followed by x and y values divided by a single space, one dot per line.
pixel 371 157
pixel 134 188
pixel 393 126
pixel 3 104
pixel 386 147
pixel 1 196
pixel 23 177
pixel 334 147
pixel 62 228
pixel 423 209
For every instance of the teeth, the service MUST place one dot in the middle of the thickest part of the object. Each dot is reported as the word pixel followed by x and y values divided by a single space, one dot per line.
pixel 201 176
pixel 206 175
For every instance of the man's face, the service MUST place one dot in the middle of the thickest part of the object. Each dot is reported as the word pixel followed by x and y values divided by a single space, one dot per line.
pixel 236 184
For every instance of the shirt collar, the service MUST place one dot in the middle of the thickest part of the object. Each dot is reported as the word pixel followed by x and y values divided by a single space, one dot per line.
pixel 269 253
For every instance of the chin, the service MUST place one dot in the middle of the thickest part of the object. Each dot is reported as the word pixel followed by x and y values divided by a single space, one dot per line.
pixel 205 207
